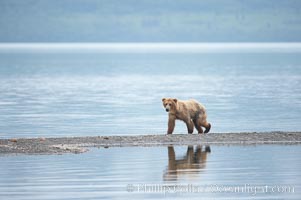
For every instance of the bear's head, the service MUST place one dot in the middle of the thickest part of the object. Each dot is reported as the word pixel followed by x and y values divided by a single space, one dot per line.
pixel 170 104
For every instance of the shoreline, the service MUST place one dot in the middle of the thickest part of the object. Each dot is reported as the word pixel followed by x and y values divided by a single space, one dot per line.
pixel 83 144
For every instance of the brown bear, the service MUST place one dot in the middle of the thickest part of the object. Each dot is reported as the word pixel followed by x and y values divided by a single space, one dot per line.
pixel 190 111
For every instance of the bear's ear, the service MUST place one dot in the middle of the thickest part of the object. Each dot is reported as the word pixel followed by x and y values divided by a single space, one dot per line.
pixel 163 99
pixel 175 100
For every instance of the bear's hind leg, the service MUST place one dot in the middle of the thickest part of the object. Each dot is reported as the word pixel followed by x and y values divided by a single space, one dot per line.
pixel 197 125
pixel 207 126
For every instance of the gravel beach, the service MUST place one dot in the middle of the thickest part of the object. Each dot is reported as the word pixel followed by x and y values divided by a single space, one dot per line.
pixel 82 144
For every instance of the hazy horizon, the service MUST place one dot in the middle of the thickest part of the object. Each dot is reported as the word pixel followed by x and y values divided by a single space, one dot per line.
pixel 150 21
pixel 152 47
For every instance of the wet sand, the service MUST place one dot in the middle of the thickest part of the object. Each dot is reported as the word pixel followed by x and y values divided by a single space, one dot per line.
pixel 82 144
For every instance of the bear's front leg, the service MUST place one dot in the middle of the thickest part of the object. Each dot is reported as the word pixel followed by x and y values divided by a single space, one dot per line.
pixel 171 124
pixel 189 125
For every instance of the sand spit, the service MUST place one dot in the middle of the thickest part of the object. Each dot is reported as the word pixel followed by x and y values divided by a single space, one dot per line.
pixel 82 144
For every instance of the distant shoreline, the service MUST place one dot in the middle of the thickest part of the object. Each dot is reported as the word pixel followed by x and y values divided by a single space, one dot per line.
pixel 82 144
pixel 167 47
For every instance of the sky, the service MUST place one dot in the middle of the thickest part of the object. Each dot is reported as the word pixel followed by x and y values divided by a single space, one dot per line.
pixel 150 21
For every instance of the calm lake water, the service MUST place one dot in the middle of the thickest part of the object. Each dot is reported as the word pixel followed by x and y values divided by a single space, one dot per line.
pixel 53 94
pixel 46 94
pixel 156 172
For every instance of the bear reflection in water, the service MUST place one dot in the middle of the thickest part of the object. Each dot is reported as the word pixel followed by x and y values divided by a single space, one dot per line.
pixel 187 166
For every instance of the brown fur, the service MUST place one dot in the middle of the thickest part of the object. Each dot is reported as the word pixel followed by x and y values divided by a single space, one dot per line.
pixel 190 111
